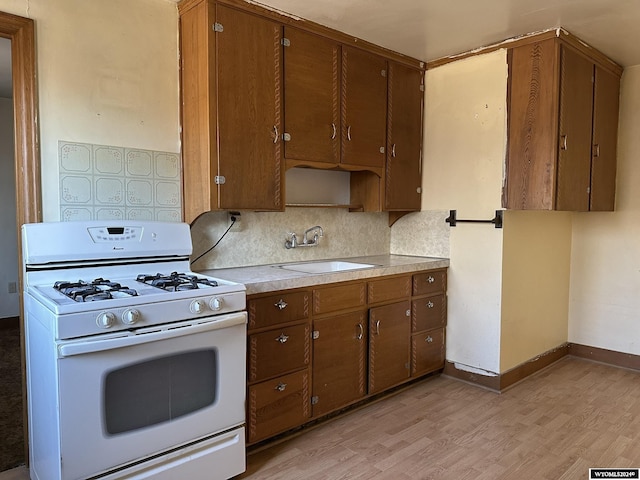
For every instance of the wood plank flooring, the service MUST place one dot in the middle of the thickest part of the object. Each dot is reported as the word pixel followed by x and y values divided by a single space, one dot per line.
pixel 554 425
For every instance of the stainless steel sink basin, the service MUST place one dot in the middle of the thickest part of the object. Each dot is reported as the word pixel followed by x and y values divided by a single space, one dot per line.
pixel 328 266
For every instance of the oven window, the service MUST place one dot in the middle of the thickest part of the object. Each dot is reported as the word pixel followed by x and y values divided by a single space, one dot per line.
pixel 159 390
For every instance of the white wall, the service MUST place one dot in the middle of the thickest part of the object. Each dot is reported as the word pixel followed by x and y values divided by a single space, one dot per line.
pixel 604 307
pixel 464 151
pixel 107 74
pixel 9 302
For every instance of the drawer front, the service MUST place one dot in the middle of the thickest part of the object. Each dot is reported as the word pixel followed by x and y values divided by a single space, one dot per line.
pixel 339 297
pixel 428 313
pixel 277 405
pixel 427 352
pixel 434 281
pixel 276 309
pixel 387 289
pixel 278 351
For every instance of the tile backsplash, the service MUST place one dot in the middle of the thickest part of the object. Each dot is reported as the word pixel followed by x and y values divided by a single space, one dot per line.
pixel 100 182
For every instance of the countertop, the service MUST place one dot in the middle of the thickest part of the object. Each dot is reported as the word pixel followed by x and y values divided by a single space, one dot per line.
pixel 270 278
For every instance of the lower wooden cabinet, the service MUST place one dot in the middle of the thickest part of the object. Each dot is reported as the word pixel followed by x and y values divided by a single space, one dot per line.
pixel 389 334
pixel 314 351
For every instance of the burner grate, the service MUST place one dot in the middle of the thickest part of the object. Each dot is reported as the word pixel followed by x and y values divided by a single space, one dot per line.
pixel 98 289
pixel 176 282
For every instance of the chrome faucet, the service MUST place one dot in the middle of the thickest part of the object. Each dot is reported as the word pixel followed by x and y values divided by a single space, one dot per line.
pixel 292 241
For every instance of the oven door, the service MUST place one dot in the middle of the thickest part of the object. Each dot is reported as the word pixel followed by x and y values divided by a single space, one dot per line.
pixel 125 398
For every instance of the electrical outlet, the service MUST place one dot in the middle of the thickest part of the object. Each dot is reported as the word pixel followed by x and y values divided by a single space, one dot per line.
pixel 13 287
pixel 238 225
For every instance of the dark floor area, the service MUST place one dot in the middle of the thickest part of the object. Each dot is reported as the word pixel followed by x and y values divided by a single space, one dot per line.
pixel 11 432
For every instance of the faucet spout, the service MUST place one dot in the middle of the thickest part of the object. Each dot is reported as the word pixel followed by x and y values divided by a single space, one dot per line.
pixel 317 233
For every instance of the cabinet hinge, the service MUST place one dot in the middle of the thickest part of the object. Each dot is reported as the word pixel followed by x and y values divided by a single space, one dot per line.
pixel 217 27
pixel 588 189
pixel 407 366
pixel 383 73
pixel 315 334
pixel 286 42
pixel 314 400
pixel 219 180
pixel 422 87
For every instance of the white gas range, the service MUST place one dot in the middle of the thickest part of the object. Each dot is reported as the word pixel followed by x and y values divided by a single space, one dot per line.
pixel 135 364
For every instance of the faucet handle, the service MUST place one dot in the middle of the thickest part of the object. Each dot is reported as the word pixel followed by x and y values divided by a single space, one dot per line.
pixel 292 242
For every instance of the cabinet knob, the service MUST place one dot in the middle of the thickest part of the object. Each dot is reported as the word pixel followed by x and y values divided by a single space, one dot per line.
pixel 282 338
pixel 281 387
pixel 281 304
pixel 563 142
pixel 430 279
pixel 428 339
pixel 429 304
pixel 596 150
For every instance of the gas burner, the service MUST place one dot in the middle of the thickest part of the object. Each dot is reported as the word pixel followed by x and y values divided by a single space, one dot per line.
pixel 98 289
pixel 176 282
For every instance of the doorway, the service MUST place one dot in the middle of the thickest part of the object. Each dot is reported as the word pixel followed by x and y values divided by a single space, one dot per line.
pixel 20 32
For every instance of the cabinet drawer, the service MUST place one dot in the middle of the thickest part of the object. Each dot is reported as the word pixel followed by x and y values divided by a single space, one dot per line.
pixel 430 282
pixel 339 297
pixel 278 405
pixel 427 352
pixel 389 289
pixel 278 351
pixel 275 309
pixel 428 313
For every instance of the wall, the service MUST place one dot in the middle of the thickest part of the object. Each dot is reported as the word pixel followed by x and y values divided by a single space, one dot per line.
pixel 605 262
pixel 107 75
pixel 536 260
pixel 9 302
pixel 464 151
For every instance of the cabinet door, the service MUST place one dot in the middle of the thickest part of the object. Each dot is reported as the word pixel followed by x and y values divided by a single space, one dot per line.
pixel 312 102
pixel 605 136
pixel 364 108
pixel 574 150
pixel 389 339
pixel 248 66
pixel 403 173
pixel 339 361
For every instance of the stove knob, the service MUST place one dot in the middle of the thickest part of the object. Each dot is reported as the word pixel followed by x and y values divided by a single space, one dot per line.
pixel 106 319
pixel 197 306
pixel 130 316
pixel 216 303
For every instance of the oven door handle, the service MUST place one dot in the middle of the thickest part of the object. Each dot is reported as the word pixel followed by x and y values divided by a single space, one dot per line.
pixel 150 335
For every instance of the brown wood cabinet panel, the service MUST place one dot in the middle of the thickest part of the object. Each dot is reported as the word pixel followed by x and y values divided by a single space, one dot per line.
pixel 574 150
pixel 364 108
pixel 339 297
pixel 403 173
pixel 387 289
pixel 278 405
pixel 278 351
pixel 339 361
pixel 389 343
pixel 312 97
pixel 533 126
pixel 249 90
pixel 284 307
pixel 605 138
pixel 428 313
pixel 433 281
pixel 427 352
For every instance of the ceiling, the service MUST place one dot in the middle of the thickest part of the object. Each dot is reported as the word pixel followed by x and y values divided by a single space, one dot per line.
pixel 432 29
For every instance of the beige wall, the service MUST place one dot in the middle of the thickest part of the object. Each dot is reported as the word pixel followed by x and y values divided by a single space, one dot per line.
pixel 464 148
pixel 605 264
pixel 535 284
pixel 107 74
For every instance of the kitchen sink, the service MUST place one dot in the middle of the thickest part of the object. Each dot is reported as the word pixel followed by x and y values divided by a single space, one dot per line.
pixel 329 266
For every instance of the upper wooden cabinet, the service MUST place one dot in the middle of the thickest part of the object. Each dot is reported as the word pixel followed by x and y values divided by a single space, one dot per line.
pixel 263 92
pixel 231 110
pixel 562 132
pixel 403 175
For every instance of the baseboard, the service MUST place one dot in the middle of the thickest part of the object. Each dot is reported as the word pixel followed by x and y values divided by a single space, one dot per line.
pixel 610 357
pixel 501 382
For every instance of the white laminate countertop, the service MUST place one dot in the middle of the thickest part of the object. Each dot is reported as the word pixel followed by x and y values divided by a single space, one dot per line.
pixel 270 278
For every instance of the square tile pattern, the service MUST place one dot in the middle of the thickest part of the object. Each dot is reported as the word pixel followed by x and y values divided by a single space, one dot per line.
pixel 100 182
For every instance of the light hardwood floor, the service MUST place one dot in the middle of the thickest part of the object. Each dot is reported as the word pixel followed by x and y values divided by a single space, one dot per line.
pixel 554 425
